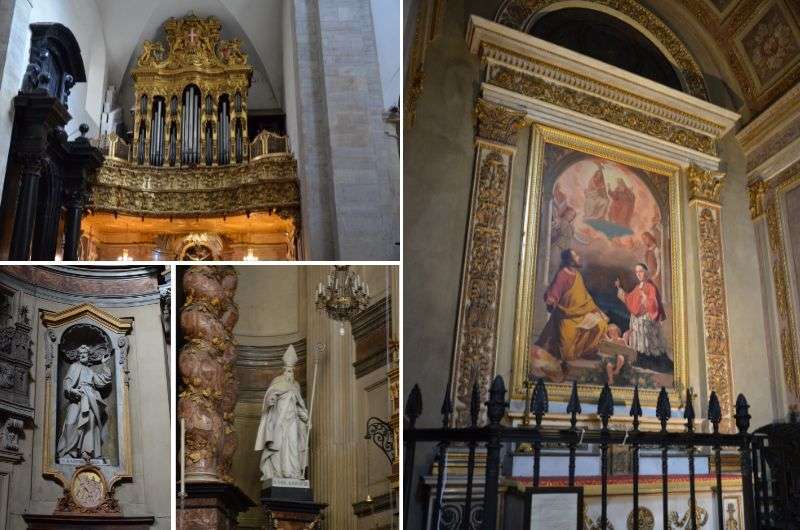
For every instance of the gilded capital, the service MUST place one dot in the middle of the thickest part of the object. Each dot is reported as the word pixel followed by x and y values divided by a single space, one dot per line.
pixel 756 190
pixel 704 185
pixel 498 123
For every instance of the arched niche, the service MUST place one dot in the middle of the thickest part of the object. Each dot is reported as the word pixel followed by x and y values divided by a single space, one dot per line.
pixel 523 15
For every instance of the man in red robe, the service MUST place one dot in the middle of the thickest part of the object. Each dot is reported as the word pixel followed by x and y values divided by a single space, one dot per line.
pixel 646 314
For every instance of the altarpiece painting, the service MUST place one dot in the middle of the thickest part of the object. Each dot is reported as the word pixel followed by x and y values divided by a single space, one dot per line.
pixel 600 280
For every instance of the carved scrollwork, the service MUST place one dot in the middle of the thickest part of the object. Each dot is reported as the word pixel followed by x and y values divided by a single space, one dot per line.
pixel 475 343
pixel 704 185
pixel 596 107
pixel 715 315
pixel 498 123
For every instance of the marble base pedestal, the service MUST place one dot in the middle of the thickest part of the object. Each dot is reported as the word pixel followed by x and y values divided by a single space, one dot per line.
pixel 211 506
pixel 77 521
pixel 290 506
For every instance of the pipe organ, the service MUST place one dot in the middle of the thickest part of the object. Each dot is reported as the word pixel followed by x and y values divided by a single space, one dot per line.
pixel 190 157
pixel 200 75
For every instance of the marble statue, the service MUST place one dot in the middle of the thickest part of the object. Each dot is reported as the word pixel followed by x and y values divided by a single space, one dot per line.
pixel 85 417
pixel 283 431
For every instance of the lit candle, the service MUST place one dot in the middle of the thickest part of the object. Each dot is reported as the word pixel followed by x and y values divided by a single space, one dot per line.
pixel 183 457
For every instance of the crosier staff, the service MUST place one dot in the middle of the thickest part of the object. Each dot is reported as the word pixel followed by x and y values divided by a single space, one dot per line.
pixel 319 351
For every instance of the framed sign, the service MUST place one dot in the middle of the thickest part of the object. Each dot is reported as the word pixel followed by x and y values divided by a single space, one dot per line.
pixel 548 508
pixel 601 287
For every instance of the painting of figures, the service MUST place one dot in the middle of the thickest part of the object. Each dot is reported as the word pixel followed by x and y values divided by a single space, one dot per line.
pixel 602 303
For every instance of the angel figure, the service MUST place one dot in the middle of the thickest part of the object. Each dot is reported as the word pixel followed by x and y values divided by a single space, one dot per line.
pixel 85 417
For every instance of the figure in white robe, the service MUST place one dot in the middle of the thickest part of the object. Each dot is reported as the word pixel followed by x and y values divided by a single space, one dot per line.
pixel 282 434
pixel 85 417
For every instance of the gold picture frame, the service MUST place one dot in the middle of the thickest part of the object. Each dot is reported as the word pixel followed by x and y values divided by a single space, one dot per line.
pixel 540 136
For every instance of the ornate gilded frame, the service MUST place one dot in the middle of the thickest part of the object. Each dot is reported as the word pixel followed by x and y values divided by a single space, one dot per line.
pixel 119 330
pixel 540 136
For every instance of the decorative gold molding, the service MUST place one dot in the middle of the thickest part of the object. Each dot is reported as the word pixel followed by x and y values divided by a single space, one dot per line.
pixel 476 336
pixel 518 14
pixel 527 273
pixel 498 123
pixel 787 318
pixel 756 190
pixel 266 184
pixel 52 319
pixel 599 108
pixel 427 25
pixel 715 309
pixel 704 185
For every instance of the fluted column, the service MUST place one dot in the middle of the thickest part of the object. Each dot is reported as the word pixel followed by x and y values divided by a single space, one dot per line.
pixel 476 341
pixel 334 457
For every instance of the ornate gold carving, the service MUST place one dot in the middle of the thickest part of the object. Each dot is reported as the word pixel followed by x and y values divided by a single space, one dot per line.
pixel 599 108
pixel 428 22
pixel 476 346
pixel 517 14
pixel 192 43
pixel 756 190
pixel 267 184
pixel 791 370
pixel 498 123
pixel 704 185
pixel 715 313
pixel 88 494
pixel 50 319
pixel 646 519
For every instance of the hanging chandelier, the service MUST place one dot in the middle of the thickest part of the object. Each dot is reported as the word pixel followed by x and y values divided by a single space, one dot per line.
pixel 343 295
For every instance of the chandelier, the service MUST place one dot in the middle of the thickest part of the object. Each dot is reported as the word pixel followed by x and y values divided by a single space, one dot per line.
pixel 343 295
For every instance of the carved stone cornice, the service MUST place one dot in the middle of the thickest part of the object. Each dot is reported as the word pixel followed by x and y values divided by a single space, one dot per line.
pixel 704 185
pixel 756 190
pixel 530 70
pixel 498 123
pixel 517 14
pixel 596 107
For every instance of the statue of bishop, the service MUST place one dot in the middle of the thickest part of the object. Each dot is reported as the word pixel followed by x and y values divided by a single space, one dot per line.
pixel 283 431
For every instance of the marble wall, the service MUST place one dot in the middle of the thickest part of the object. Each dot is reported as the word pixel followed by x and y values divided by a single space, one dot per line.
pixel 149 492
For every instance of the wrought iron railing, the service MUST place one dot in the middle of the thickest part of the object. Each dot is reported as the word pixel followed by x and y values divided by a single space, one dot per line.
pixel 495 434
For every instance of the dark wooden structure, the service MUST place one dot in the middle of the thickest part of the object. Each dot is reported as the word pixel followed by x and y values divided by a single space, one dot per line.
pixel 96 522
pixel 47 174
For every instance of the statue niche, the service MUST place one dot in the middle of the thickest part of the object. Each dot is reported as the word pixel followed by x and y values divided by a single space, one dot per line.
pixel 86 398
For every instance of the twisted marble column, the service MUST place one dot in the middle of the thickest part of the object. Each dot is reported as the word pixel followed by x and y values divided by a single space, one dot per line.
pixel 208 386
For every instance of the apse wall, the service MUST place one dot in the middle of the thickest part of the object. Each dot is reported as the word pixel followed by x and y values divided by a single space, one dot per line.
pixel 130 294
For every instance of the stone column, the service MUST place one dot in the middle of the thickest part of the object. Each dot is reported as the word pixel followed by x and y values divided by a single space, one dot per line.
pixel 26 207
pixel 208 392
pixel 333 459
pixel 476 339
pixel 705 188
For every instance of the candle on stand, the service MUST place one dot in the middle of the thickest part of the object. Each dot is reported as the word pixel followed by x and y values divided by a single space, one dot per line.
pixel 183 457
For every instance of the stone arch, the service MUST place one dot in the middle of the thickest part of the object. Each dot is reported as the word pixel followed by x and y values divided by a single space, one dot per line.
pixel 522 14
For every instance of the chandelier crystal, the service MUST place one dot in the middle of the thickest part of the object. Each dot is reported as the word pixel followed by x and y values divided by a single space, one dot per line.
pixel 343 295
